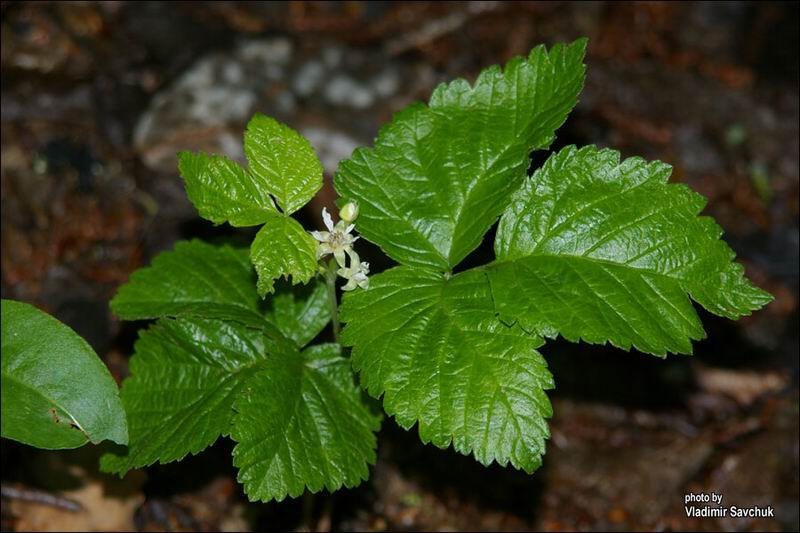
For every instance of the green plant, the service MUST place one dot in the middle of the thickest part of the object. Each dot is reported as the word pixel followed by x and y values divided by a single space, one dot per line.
pixel 589 247
pixel 56 393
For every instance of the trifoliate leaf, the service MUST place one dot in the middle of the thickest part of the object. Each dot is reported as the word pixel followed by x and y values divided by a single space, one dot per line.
pixel 56 392
pixel 300 312
pixel 185 376
pixel 440 175
pixel 437 352
pixel 283 248
pixel 283 162
pixel 222 191
pixel 301 423
pixel 196 279
pixel 601 250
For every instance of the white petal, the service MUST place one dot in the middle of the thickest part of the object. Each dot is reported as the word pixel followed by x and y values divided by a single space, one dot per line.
pixel 350 285
pixel 326 217
pixel 321 236
pixel 354 259
pixel 323 249
pixel 340 258
pixel 350 228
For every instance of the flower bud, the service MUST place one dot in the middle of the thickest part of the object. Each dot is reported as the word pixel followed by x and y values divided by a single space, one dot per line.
pixel 349 212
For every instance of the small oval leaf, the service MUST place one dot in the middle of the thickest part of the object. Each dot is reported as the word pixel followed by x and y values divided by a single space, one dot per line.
pixel 56 392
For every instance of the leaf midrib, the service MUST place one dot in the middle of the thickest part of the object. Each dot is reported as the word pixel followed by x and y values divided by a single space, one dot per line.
pixel 497 263
pixel 78 426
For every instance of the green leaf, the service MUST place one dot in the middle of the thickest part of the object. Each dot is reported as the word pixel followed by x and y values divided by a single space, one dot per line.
pixel 222 191
pixel 283 248
pixel 301 423
pixel 300 312
pixel 601 250
pixel 436 351
pixel 283 162
pixel 202 280
pixel 440 176
pixel 56 392
pixel 196 279
pixel 185 376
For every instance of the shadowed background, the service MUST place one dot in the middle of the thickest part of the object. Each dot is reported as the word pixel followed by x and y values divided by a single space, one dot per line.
pixel 98 98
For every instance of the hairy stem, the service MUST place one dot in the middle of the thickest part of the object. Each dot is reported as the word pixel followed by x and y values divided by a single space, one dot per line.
pixel 330 278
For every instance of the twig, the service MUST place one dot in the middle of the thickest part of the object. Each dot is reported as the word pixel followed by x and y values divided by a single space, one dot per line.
pixel 39 496
pixel 437 28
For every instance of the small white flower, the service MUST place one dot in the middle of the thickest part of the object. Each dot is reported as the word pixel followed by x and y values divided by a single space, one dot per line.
pixel 356 273
pixel 337 240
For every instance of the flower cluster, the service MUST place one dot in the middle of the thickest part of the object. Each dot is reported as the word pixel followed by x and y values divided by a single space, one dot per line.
pixel 338 241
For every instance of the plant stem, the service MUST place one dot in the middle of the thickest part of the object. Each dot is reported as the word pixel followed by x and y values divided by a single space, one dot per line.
pixel 308 498
pixel 308 511
pixel 330 278
pixel 324 522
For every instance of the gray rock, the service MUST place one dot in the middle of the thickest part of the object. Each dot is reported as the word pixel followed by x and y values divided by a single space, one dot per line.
pixel 346 91
pixel 308 78
pixel 386 83
pixel 208 105
pixel 331 146
pixel 209 101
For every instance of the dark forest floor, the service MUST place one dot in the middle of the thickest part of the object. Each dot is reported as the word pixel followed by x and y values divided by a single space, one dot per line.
pixel 97 99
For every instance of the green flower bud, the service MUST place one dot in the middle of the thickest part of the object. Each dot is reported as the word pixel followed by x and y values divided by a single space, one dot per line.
pixel 349 212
